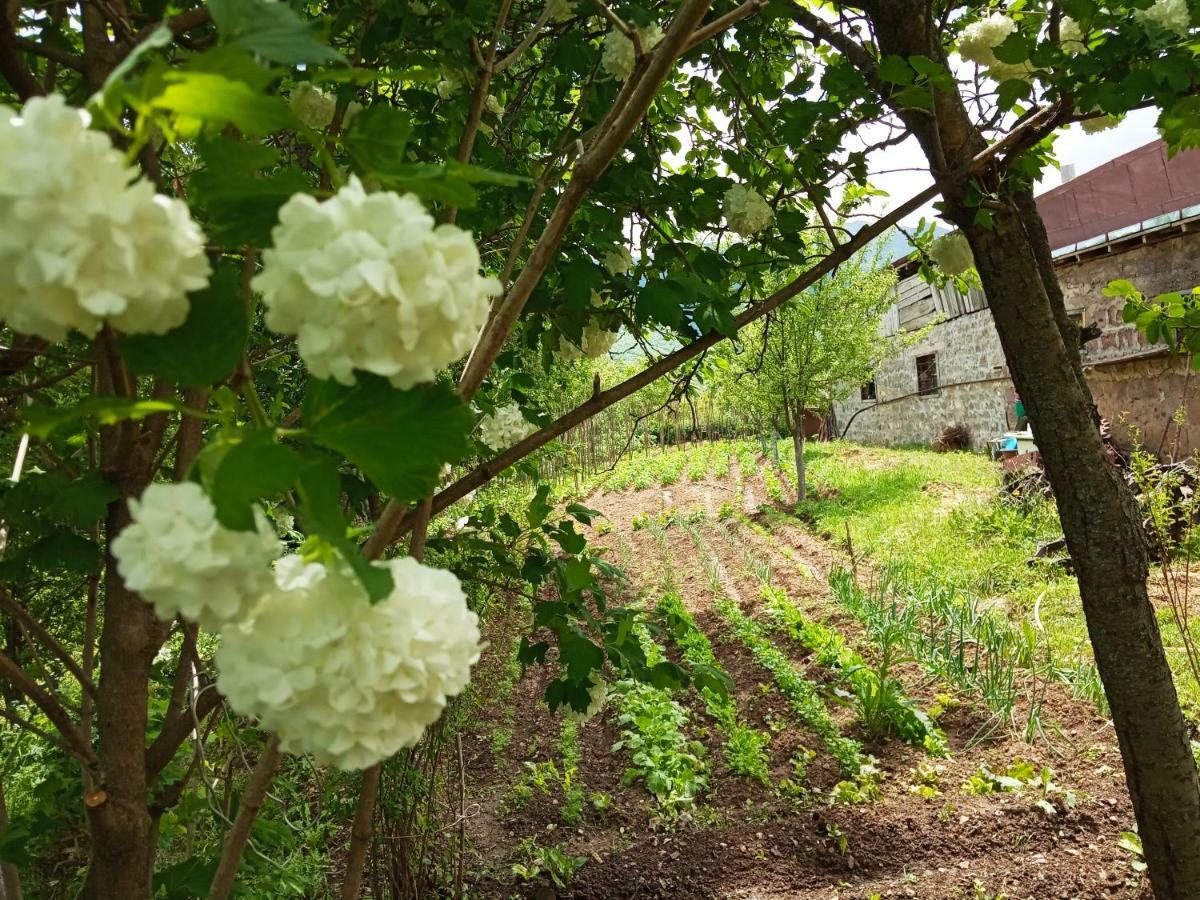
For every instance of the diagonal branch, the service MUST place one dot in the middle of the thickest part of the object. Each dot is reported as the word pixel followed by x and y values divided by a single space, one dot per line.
pixel 391 530
pixel 18 612
pixel 54 711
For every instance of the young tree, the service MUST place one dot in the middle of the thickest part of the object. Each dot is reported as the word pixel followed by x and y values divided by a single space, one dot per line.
pixel 811 351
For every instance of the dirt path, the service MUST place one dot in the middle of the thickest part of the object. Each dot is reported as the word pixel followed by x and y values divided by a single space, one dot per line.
pixel 923 836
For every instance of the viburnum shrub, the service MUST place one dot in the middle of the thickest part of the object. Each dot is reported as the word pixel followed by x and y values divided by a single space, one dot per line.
pixel 266 256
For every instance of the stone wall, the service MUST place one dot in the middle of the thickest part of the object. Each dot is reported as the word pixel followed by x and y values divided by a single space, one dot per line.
pixel 1133 383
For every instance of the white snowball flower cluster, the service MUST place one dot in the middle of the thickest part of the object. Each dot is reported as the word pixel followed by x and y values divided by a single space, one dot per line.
pixel 494 106
pixel 346 680
pixel 312 106
pixel 1098 124
pixel 1169 15
pixel 952 253
pixel 618 261
pixel 1071 36
pixel 505 427
pixel 184 562
pixel 315 107
pixel 83 242
pixel 979 39
pixel 594 343
pixel 598 692
pixel 619 57
pixel 746 211
pixel 367 281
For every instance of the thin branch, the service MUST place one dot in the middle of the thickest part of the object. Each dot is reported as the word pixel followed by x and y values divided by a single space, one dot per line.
pixel 18 612
pixel 174 732
pixel 360 833
pixel 724 23
pixel 54 711
pixel 239 834
pixel 394 523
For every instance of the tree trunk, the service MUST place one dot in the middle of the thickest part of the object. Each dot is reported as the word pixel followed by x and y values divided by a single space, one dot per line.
pixel 798 449
pixel 122 850
pixel 1102 525
pixel 1100 518
pixel 10 879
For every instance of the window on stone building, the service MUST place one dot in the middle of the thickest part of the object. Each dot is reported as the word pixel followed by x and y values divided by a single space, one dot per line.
pixel 927 374
pixel 867 391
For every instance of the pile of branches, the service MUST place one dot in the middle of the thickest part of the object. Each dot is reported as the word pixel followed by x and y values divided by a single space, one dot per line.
pixel 1025 478
pixel 953 437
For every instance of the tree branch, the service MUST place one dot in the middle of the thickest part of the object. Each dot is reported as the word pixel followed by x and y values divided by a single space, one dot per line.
pixel 54 711
pixel 393 524
pixel 239 833
pixel 18 612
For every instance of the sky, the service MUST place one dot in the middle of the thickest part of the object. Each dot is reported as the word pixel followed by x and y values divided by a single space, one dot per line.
pixel 902 170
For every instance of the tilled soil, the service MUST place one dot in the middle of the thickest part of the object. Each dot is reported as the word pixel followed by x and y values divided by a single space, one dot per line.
pixel 749 840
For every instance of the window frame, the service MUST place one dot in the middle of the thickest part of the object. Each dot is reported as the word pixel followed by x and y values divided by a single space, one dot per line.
pixel 927 370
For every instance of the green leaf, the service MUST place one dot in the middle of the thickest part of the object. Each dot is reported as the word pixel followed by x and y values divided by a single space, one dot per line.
pixel 83 501
pixel 209 98
pixel 206 348
pixel 399 439
pixel 706 677
pixel 660 301
pixel 668 676
pixel 42 421
pixel 539 507
pixel 1013 91
pixel 451 182
pixel 894 70
pixel 1014 49
pixel 255 467
pixel 271 29
pixel 243 207
pixel 319 488
pixel 61 551
pixel 578 654
pixel 377 137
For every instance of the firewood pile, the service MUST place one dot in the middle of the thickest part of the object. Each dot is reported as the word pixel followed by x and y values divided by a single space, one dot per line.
pixel 1024 477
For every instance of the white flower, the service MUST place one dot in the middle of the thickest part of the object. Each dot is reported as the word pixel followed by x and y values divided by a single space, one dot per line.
pixel 507 426
pixel 1169 15
pixel 979 39
pixel 1100 123
pixel 346 680
pixel 746 211
pixel 952 253
pixel 618 261
pixel 312 105
pixel 451 83
pixel 367 281
pixel 598 692
pixel 560 11
pixel 81 241
pixel 595 342
pixel 619 57
pixel 183 561
pixel 494 106
pixel 1071 36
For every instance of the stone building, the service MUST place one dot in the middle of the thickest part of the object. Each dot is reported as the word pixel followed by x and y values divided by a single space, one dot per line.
pixel 1136 217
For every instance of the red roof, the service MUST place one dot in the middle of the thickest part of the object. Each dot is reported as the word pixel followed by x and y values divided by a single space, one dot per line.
pixel 1139 185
